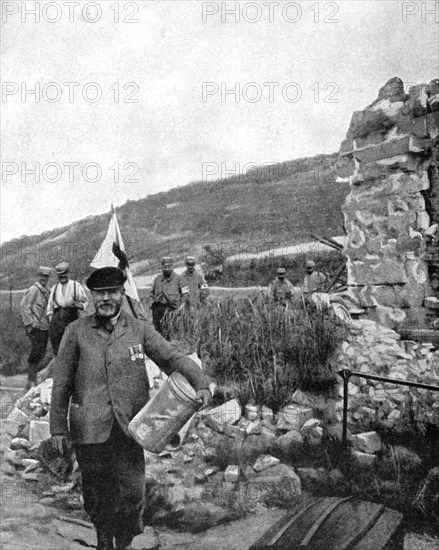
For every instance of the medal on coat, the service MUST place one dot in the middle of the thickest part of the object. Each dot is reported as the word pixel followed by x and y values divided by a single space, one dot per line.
pixel 136 352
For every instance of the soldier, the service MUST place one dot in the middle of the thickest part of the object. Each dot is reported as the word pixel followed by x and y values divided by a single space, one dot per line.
pixel 314 280
pixel 194 287
pixel 166 293
pixel 66 299
pixel 280 290
pixel 98 387
pixel 33 313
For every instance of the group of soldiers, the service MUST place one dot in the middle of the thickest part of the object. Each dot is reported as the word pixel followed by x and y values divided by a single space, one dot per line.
pixel 282 291
pixel 47 312
pixel 169 290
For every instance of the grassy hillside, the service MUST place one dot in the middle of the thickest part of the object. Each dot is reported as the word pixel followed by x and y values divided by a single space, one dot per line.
pixel 275 206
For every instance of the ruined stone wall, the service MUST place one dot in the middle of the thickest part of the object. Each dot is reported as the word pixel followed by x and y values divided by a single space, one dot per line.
pixel 392 209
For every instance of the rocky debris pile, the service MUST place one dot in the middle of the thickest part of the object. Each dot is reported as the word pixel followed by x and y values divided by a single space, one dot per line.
pixel 25 442
pixel 390 212
pixel 377 350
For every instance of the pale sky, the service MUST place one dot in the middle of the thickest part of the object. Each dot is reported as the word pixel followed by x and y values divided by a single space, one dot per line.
pixel 311 52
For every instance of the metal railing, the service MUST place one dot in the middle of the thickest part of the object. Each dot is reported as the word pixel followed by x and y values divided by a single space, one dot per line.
pixel 346 374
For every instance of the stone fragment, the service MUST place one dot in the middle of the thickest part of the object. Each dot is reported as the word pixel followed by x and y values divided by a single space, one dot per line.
pixel 312 476
pixel 210 471
pixel 228 413
pixel 30 463
pixel 416 541
pixel 187 458
pixel 254 427
pixel 292 417
pixel 20 443
pixel 290 444
pixel 7 469
pixel 15 457
pixel 315 436
pixel 309 425
pixel 251 412
pixel 267 414
pixel 29 476
pixel 39 431
pixel 367 442
pixel 231 475
pixel 265 461
pixel 249 472
pixel 46 391
pixel 301 398
pixel 276 486
pixel 364 459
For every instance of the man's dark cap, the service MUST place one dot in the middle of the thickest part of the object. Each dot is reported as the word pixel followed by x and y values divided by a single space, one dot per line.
pixel 106 278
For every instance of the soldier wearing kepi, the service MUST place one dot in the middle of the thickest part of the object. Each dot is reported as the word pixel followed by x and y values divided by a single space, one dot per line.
pixel 166 293
pixel 280 290
pixel 106 387
pixel 66 299
pixel 314 281
pixel 33 313
pixel 194 288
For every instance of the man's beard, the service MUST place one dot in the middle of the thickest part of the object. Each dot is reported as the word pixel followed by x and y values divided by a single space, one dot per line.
pixel 109 310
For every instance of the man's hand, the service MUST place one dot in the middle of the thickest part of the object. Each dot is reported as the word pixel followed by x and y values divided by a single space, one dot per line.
pixel 61 443
pixel 28 329
pixel 78 305
pixel 204 396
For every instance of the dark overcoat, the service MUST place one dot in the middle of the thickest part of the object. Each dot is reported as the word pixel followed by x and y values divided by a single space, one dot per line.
pixel 97 379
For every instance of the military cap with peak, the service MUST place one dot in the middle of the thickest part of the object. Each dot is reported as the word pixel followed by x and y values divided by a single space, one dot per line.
pixel 167 260
pixel 190 260
pixel 43 270
pixel 61 268
pixel 281 271
pixel 106 278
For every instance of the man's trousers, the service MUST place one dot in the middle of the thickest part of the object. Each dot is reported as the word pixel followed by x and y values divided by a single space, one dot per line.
pixel 62 317
pixel 38 339
pixel 113 475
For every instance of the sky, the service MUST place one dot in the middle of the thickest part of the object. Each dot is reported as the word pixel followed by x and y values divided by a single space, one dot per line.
pixel 108 101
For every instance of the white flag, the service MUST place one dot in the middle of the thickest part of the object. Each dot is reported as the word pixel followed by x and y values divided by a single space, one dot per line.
pixel 105 256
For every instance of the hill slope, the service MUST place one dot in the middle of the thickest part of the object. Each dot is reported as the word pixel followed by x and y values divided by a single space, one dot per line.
pixel 275 206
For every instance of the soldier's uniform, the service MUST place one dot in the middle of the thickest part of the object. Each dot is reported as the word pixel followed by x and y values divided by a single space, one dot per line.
pixel 280 290
pixel 166 293
pixel 33 313
pixel 66 299
pixel 193 284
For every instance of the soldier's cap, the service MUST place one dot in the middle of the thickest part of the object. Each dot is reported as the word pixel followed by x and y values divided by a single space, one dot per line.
pixel 310 263
pixel 61 268
pixel 167 260
pixel 281 271
pixel 106 278
pixel 190 260
pixel 43 270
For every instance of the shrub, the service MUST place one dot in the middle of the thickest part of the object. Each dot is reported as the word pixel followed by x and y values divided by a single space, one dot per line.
pixel 264 351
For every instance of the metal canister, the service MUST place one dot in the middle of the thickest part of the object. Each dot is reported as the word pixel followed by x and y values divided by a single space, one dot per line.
pixel 165 414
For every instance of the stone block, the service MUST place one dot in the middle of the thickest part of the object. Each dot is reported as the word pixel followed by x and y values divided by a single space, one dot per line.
pixel 433 124
pixel 367 442
pixel 39 431
pixel 387 149
pixel 265 461
pixel 309 425
pixel 278 485
pixel 364 459
pixel 20 443
pixel 292 417
pixel 416 541
pixel 315 436
pixel 431 302
pixel 290 444
pixel 231 475
pixel 377 271
pixel 228 413
pixel 267 414
pixel 251 412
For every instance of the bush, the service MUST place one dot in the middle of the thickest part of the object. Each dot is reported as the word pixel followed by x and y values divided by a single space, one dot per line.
pixel 264 351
